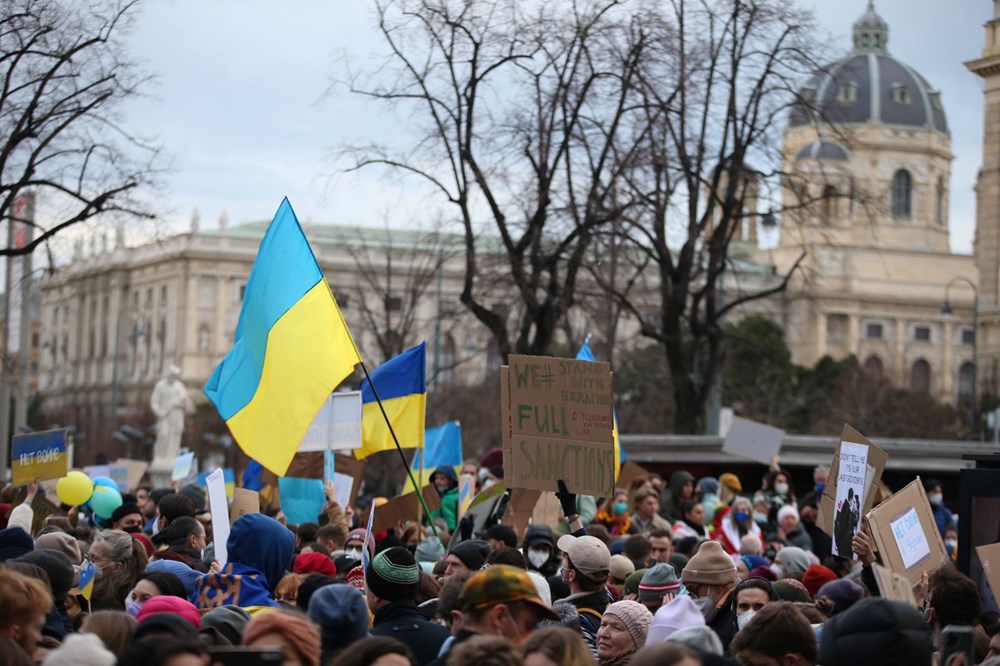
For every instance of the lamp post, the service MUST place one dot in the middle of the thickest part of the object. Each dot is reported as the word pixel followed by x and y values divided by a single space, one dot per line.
pixel 946 310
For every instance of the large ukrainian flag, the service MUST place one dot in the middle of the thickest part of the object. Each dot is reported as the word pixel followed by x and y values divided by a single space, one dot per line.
pixel 292 349
pixel 401 383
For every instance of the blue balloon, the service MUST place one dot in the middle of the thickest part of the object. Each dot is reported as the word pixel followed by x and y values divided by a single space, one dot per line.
pixel 105 500
pixel 105 481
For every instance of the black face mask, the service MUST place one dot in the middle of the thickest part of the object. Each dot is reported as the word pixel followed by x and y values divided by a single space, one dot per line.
pixel 132 530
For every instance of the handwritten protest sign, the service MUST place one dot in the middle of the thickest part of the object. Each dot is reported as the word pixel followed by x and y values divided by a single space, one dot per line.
pixel 560 415
pixel 244 502
pixel 877 458
pixel 38 455
pixel 850 492
pixel 337 426
pixel 989 558
pixel 218 505
pixel 752 440
pixel 906 534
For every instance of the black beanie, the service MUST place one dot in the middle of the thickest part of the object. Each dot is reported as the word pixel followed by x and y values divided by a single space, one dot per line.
pixel 124 510
pixel 472 553
pixel 393 575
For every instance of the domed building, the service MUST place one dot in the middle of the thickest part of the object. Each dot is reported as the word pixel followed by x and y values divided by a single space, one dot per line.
pixel 867 157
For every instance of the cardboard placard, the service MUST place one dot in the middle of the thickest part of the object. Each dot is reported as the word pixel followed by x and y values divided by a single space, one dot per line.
pixel 894 586
pixel 906 534
pixel 752 440
pixel 520 509
pixel 547 511
pixel 134 471
pixel 877 458
pixel 244 502
pixel 989 558
pixel 403 508
pixel 630 471
pixel 38 455
pixel 561 420
pixel 218 506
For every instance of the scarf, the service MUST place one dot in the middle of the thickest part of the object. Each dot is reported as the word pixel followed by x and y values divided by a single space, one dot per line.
pixel 236 585
pixel 617 525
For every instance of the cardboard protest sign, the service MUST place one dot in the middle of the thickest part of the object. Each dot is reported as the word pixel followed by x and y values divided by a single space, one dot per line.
pixel 244 502
pixel 906 534
pixel 134 470
pixel 218 506
pixel 520 508
pixel 38 455
pixel 752 440
pixel 403 508
pixel 876 457
pixel 560 414
pixel 547 510
pixel 989 558
pixel 630 471
pixel 893 586
pixel 337 425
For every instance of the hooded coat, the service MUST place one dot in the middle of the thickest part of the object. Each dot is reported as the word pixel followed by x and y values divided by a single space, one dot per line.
pixel 670 507
pixel 449 498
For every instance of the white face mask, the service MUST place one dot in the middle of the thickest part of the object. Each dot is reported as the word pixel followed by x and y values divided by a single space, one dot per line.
pixel 483 473
pixel 743 618
pixel 354 553
pixel 781 488
pixel 537 557
pixel 951 543
pixel 489 483
pixel 936 499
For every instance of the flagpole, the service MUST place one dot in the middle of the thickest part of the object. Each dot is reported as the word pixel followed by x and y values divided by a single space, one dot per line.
pixel 406 465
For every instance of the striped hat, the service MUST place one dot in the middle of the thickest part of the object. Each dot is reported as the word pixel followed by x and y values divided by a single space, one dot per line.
pixel 657 582
pixel 393 575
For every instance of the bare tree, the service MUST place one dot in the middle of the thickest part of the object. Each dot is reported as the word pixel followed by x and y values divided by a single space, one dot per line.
pixel 64 77
pixel 520 116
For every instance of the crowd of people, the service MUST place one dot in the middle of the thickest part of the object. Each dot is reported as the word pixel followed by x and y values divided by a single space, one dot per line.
pixel 679 571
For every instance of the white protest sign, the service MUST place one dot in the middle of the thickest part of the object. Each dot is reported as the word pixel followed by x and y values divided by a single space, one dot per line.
pixel 337 426
pixel 850 492
pixel 219 507
pixel 910 538
pixel 752 440
pixel 344 485
pixel 182 466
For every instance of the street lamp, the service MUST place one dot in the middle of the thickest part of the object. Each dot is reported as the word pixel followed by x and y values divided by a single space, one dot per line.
pixel 946 310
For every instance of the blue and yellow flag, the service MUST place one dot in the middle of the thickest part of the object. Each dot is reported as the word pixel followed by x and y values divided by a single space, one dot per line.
pixel 586 355
pixel 87 576
pixel 292 349
pixel 442 446
pixel 401 383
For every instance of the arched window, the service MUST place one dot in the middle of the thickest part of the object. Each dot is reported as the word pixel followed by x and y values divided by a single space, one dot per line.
pixel 920 377
pixel 873 366
pixel 966 385
pixel 449 357
pixel 902 192
pixel 940 201
pixel 829 204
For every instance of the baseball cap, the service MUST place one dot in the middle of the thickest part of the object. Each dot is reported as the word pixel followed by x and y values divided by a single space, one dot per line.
pixel 588 554
pixel 502 584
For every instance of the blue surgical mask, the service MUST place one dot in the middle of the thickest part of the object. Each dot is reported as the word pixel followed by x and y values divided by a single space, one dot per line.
pixel 620 508
pixel 134 608
pixel 740 516
pixel 819 488
pixel 759 517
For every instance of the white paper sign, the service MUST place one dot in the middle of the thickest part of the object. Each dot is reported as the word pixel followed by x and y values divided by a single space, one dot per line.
pixel 850 493
pixel 337 426
pixel 344 484
pixel 218 505
pixel 756 441
pixel 182 467
pixel 910 538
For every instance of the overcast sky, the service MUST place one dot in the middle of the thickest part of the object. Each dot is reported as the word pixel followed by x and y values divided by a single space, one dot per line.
pixel 240 102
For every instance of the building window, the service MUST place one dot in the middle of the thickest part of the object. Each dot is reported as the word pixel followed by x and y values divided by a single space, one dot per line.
pixel 808 94
pixel 393 303
pixel 939 199
pixel 873 331
pixel 836 329
pixel 920 377
pixel 901 94
pixel 847 93
pixel 829 210
pixel 163 295
pixel 966 385
pixel 343 300
pixel 873 366
pixel 968 336
pixel 241 290
pixel 902 186
pixel 922 334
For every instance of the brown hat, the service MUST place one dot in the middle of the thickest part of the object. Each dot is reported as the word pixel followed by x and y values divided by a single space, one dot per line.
pixel 710 565
pixel 588 554
pixel 502 584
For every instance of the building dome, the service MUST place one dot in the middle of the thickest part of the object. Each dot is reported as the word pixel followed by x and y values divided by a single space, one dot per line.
pixel 871 86
pixel 823 150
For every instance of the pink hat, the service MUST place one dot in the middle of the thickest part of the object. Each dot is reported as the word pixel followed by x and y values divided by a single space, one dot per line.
pixel 167 604
pixel 635 617
pixel 679 613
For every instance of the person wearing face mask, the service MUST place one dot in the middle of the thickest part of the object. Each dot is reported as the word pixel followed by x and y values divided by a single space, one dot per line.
pixel 119 560
pixel 935 495
pixel 127 518
pixel 613 514
pixel 777 490
pixel 710 577
pixel 735 524
pixel 539 548
pixel 490 469
pixel 749 597
pixel 185 542
pixel 153 584
pixel 355 542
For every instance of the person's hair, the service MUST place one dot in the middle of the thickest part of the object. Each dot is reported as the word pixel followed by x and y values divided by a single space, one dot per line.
pixel 334 533
pixel 819 611
pixel 561 645
pixel 31 571
pixel 661 532
pixel 128 552
pixel 114 628
pixel 367 651
pixel 586 583
pixel 167 583
pixel 289 585
pixel 21 597
pixel 688 505
pixel 485 651
pixel 642 493
pixel 754 584
pixel 449 598
pixel 413 529
pixel 637 548
pixel 178 532
pixel 505 555
pixel 665 653
pixel 953 596
pixel 599 531
pixel 820 468
pixel 777 629
pixel 295 627
pixel 427 588
pixel 316 547
pixel 687 546
pixel 440 567
pixel 175 506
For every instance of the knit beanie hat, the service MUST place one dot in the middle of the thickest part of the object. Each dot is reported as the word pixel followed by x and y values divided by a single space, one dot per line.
pixel 62 542
pixel 789 589
pixel 58 568
pixel 793 562
pixel 79 649
pixel 707 484
pixel 703 639
pixel 393 575
pixel 430 550
pixel 636 618
pixel 877 631
pixel 472 553
pixel 125 509
pixel 767 573
pixel 146 544
pixel 842 592
pixel 14 542
pixel 816 577
pixel 299 632
pixel 621 567
pixel 710 565
pixel 632 582
pixel 731 481
pixel 314 563
pixel 359 535
pixel 657 582
pixel 787 510
pixel 230 621
pixel 356 577
pixel 173 605
pixel 341 614
pixel 679 613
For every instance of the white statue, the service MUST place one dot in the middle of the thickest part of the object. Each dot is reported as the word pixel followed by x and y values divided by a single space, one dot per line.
pixel 170 403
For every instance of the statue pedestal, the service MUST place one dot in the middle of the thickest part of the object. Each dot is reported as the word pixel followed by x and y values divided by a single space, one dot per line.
pixel 160 471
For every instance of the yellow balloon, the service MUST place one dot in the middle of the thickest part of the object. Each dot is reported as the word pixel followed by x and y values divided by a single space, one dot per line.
pixel 75 488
